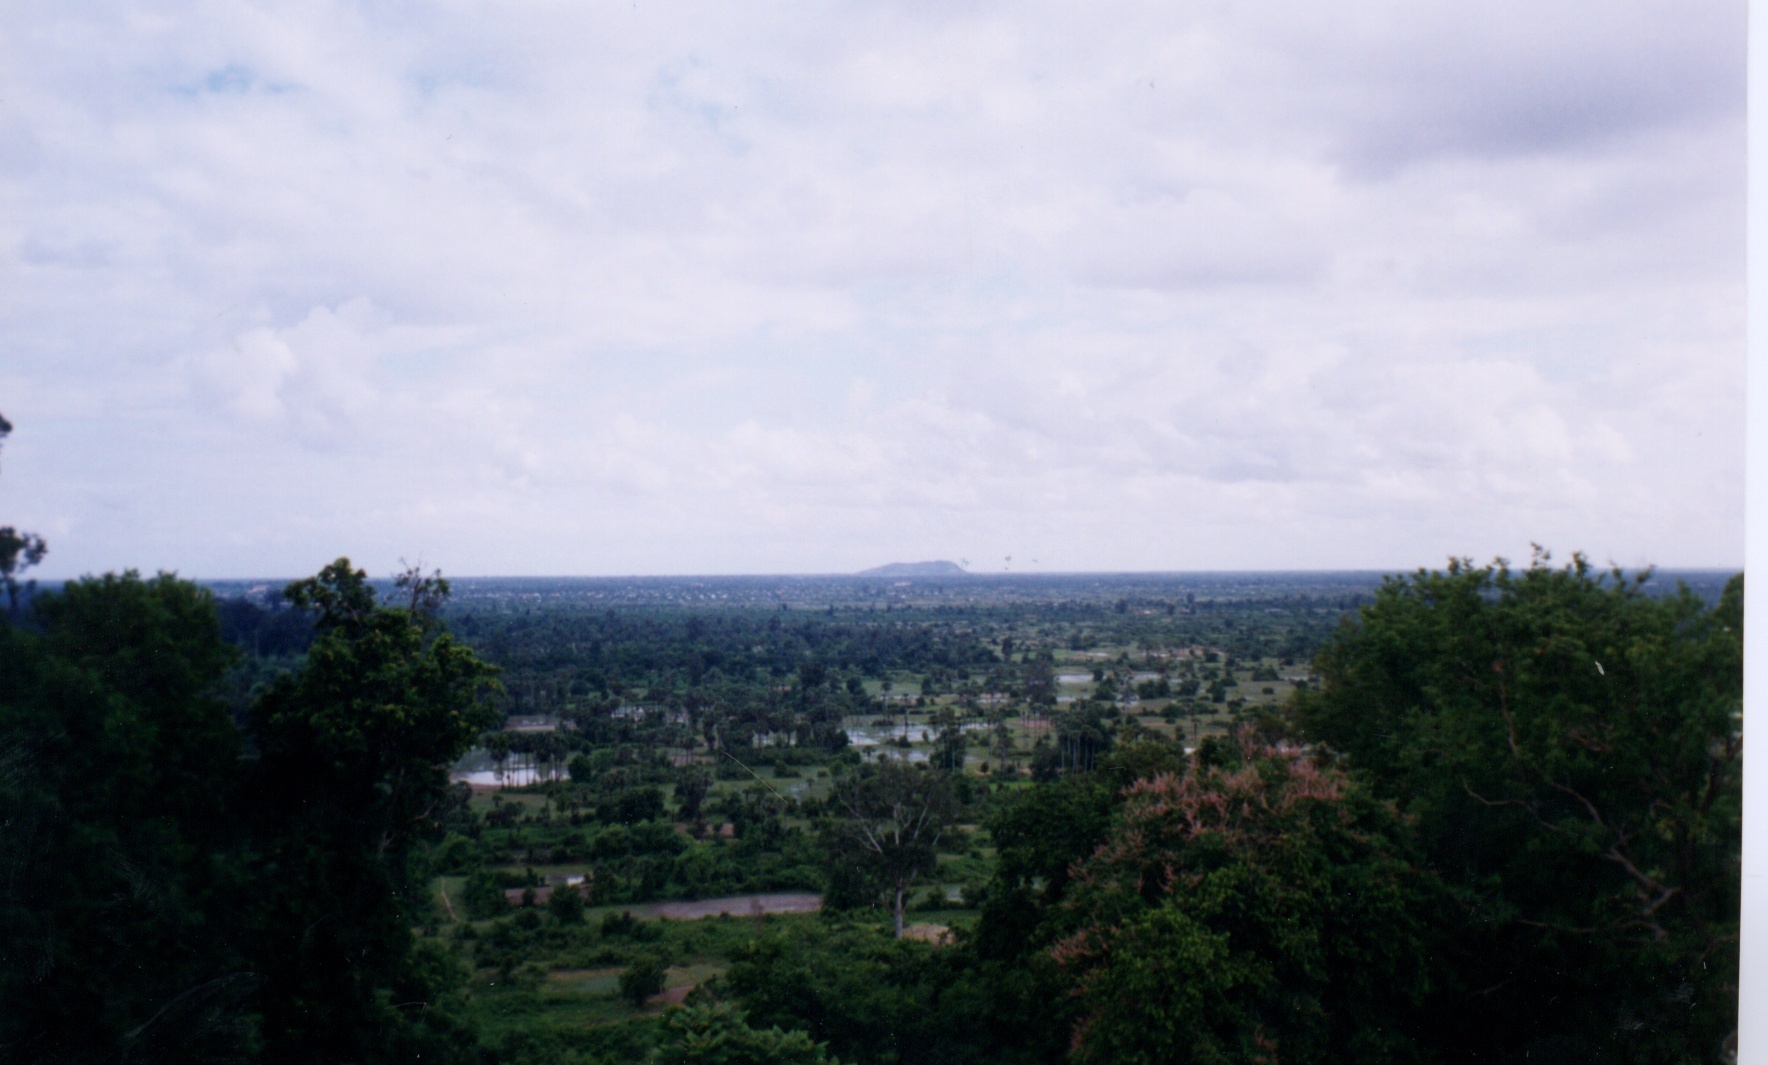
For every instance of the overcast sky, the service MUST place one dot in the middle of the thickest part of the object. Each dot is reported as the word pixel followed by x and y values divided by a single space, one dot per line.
pixel 577 288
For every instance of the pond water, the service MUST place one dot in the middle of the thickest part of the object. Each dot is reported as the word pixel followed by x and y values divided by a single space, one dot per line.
pixel 479 769
pixel 1087 678
pixel 900 755
pixel 869 735
pixel 862 732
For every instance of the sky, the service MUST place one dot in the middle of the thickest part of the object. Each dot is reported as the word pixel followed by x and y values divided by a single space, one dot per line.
pixel 576 288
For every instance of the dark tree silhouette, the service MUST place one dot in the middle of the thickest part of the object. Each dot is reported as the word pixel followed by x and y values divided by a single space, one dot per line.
pixel 18 551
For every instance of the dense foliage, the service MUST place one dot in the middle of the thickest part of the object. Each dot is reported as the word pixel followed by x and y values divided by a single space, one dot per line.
pixel 878 999
pixel 1570 751
pixel 721 1035
pixel 120 915
pixel 1260 910
pixel 178 889
pixel 1498 821
pixel 890 817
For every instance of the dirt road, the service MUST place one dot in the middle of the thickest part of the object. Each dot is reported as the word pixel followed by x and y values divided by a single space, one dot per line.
pixel 735 905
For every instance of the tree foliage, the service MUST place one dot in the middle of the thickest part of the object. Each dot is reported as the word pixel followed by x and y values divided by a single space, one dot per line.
pixel 720 1035
pixel 18 551
pixel 1505 828
pixel 177 889
pixel 642 979
pixel 119 904
pixel 1570 748
pixel 891 815
pixel 879 1000
pixel 352 776
pixel 1263 912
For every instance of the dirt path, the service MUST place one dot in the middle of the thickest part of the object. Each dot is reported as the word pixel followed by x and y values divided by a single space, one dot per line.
pixel 735 905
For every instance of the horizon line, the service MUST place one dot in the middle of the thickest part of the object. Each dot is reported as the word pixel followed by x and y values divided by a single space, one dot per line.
pixel 857 574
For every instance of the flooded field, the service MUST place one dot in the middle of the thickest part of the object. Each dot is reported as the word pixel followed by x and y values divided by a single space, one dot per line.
pixel 865 732
pixel 478 768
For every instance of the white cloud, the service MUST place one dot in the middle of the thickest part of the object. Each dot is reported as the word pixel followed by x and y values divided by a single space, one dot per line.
pixel 576 289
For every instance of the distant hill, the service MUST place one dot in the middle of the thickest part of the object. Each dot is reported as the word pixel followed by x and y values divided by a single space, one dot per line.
pixel 916 569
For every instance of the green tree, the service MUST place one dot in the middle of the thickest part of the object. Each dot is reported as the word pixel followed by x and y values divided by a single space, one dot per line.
pixel 891 815
pixel 642 979
pixel 1000 739
pixel 1264 911
pixel 720 1035
pixel 121 867
pixel 1081 738
pixel 565 904
pixel 1039 833
pixel 884 1001
pixel 351 777
pixel 1570 748
pixel 949 741
pixel 173 894
pixel 18 551
pixel 1039 684
pixel 691 785
pixel 482 896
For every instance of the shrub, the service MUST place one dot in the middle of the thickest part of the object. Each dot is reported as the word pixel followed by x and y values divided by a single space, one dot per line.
pixel 642 979
pixel 720 1035
pixel 482 896
pixel 566 905
pixel 619 924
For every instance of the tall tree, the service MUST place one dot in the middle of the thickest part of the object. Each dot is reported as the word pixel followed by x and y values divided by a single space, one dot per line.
pixel 1000 739
pixel 351 778
pixel 169 893
pixel 691 785
pixel 1259 911
pixel 949 741
pixel 1571 750
pixel 891 817
pixel 121 863
pixel 1040 683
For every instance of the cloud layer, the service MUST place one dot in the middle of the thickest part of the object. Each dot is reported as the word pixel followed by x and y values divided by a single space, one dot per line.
pixel 702 288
